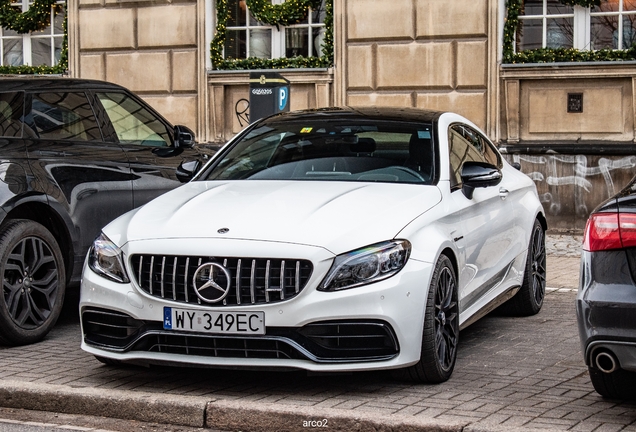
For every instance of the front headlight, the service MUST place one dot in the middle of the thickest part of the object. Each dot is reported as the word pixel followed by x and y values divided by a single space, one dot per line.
pixel 369 264
pixel 105 258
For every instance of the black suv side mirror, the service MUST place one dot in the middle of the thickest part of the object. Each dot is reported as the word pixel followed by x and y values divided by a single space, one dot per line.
pixel 183 137
pixel 186 170
pixel 478 174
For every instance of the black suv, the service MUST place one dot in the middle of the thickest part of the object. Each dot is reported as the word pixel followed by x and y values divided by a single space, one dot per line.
pixel 75 154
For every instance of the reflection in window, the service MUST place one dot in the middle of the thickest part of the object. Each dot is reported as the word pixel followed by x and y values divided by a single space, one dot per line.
pixel 248 37
pixel 550 24
pixel 39 48
pixel 545 24
pixel 612 24
pixel 11 114
pixel 133 123
pixel 61 116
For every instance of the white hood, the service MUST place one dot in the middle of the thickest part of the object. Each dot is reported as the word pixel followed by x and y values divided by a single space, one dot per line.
pixel 339 216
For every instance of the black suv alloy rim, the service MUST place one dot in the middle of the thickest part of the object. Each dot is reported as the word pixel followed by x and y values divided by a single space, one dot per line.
pixel 30 282
pixel 446 319
pixel 538 266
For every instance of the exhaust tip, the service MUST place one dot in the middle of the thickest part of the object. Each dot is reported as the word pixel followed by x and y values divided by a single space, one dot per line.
pixel 605 362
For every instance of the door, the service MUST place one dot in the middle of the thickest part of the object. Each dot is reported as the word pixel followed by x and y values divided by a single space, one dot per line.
pixel 147 140
pixel 486 219
pixel 84 176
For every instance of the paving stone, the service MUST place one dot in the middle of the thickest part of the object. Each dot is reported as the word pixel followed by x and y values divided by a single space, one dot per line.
pixel 511 373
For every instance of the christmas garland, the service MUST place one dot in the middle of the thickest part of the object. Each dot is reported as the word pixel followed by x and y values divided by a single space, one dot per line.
pixel 584 3
pixel 290 12
pixel 552 55
pixel 37 17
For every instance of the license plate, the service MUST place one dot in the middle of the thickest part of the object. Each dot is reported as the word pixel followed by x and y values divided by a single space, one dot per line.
pixel 214 322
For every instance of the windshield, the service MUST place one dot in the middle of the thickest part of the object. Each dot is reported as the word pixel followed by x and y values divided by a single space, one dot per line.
pixel 343 150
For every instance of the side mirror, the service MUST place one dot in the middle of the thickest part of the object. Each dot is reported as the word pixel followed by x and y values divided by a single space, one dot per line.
pixel 186 170
pixel 478 174
pixel 183 137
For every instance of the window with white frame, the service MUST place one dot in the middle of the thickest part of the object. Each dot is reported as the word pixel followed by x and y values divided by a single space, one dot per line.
pixel 551 24
pixel 248 37
pixel 38 48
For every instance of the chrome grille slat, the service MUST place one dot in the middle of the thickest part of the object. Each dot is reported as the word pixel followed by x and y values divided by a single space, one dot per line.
pixel 151 272
pixel 282 280
pixel 163 273
pixel 171 277
pixel 253 281
pixel 267 266
pixel 174 279
pixel 238 282
pixel 185 279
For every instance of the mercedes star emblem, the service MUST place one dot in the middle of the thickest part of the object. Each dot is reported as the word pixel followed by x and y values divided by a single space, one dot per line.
pixel 211 282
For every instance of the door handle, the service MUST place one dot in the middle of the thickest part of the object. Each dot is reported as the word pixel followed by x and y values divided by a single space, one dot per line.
pixel 503 193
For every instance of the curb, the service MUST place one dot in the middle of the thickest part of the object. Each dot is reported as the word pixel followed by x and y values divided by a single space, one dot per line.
pixel 230 415
pixel 197 411
pixel 266 417
pixel 121 404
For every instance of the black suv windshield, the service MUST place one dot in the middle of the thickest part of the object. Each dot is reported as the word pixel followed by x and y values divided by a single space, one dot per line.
pixel 342 150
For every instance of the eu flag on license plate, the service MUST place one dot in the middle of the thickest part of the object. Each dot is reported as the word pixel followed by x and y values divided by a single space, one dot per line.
pixel 167 318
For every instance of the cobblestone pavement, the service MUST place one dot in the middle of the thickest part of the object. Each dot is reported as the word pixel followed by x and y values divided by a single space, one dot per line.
pixel 511 374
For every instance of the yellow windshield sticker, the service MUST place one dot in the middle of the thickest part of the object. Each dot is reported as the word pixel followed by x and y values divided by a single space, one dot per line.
pixel 306 130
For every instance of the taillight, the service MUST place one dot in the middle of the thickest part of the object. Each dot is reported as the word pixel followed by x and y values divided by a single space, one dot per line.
pixel 606 231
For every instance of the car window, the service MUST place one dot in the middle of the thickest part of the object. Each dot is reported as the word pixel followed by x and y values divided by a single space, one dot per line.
pixel 462 148
pixel 133 123
pixel 61 116
pixel 343 150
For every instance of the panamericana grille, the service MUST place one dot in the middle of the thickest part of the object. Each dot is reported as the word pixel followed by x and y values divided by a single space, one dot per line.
pixel 252 280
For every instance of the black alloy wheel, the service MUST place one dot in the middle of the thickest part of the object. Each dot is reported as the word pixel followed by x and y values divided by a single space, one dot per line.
pixel 440 335
pixel 446 320
pixel 33 282
pixel 529 299
pixel 537 265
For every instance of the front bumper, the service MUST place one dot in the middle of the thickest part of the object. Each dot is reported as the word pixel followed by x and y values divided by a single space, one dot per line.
pixel 378 326
pixel 606 307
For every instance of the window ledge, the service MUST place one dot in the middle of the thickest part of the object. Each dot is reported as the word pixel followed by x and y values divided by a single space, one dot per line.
pixel 294 75
pixel 604 69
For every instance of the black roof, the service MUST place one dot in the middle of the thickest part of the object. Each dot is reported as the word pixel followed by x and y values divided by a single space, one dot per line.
pixel 51 82
pixel 379 113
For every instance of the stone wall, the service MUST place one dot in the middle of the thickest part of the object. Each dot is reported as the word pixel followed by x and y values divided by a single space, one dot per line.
pixel 431 54
pixel 148 46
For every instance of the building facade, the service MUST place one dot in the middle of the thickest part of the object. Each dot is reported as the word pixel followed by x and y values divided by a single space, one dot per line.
pixel 552 82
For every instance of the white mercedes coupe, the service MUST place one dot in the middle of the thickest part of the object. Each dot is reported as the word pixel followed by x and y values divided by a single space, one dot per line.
pixel 341 239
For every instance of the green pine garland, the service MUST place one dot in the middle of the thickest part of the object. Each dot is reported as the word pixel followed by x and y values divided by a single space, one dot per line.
pixel 290 12
pixel 584 3
pixel 37 17
pixel 287 13
pixel 552 55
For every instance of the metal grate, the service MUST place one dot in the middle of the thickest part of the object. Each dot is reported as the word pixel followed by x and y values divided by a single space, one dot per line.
pixel 252 280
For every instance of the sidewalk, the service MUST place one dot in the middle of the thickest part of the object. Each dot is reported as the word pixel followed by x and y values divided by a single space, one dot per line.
pixel 512 374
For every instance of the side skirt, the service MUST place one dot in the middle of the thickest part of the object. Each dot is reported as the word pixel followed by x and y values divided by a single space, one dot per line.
pixel 491 306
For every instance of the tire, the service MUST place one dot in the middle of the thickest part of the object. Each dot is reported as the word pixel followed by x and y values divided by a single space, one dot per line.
pixel 619 384
pixel 529 298
pixel 441 328
pixel 33 282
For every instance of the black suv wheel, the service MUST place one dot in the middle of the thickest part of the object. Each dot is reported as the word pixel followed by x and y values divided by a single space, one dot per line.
pixel 33 282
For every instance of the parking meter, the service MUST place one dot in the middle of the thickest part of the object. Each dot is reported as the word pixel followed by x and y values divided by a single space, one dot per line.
pixel 269 94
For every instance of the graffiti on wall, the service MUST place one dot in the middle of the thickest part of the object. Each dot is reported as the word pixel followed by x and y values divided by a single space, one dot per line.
pixel 576 183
